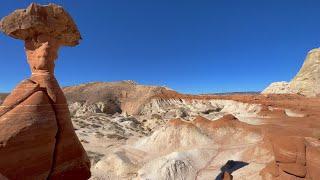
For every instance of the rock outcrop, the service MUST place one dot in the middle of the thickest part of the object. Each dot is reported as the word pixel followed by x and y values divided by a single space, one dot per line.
pixel 51 20
pixel 278 88
pixel 122 97
pixel 306 82
pixel 295 158
pixel 37 139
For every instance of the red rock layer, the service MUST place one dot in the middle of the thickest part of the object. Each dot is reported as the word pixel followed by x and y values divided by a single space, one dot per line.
pixel 27 134
pixel 70 159
pixel 294 158
pixel 37 140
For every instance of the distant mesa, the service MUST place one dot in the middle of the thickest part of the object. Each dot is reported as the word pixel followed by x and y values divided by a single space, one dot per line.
pixel 306 82
pixel 117 97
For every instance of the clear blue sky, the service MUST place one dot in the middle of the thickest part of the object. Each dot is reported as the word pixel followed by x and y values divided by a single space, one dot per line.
pixel 193 46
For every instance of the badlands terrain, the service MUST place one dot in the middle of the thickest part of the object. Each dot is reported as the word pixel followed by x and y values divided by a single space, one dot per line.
pixel 176 136
pixel 133 131
pixel 140 132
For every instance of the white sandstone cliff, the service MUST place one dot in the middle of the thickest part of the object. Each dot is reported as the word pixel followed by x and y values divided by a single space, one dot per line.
pixel 306 82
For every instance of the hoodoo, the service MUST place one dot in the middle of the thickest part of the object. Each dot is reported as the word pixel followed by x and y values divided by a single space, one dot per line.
pixel 37 139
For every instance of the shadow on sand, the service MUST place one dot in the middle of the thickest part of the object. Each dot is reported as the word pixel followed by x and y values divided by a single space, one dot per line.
pixel 230 167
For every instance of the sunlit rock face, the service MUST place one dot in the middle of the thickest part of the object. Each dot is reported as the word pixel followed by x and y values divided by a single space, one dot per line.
pixel 51 20
pixel 278 88
pixel 295 157
pixel 37 139
pixel 112 97
pixel 306 82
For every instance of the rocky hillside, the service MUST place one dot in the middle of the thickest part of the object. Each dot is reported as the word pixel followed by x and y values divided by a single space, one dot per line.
pixel 306 82
pixel 112 97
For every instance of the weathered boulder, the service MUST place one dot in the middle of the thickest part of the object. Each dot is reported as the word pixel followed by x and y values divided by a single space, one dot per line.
pixel 51 19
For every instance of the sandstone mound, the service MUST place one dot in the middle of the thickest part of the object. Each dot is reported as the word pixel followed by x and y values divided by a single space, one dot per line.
pixel 123 96
pixel 176 135
pixel 306 82
pixel 185 150
pixel 229 130
pixel 278 88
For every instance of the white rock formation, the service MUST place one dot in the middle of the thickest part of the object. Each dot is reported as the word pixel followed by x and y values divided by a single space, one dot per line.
pixel 306 82
pixel 182 150
pixel 212 109
pixel 176 165
pixel 282 87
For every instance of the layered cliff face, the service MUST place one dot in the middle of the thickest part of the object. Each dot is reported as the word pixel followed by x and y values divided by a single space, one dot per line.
pixel 306 82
